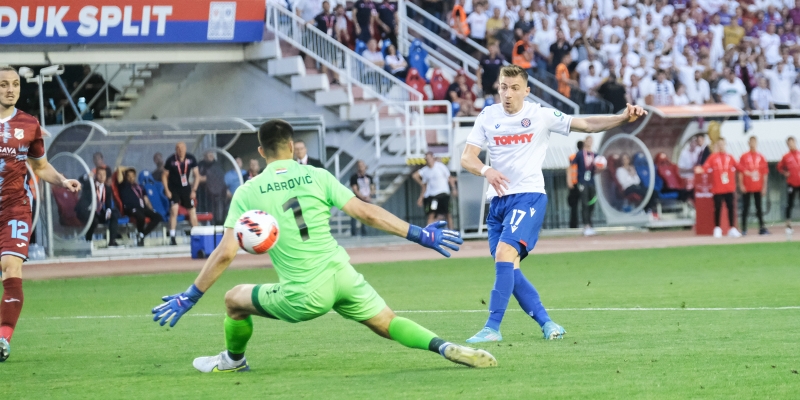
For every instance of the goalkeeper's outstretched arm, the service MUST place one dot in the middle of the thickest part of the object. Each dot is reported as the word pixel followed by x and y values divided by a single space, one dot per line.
pixel 219 260
pixel 176 305
pixel 432 236
pixel 376 217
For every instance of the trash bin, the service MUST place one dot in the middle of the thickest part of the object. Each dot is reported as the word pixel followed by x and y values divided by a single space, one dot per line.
pixel 704 207
pixel 205 239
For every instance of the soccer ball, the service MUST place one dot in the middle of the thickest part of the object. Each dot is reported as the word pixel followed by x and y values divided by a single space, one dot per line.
pixel 256 231
pixel 600 162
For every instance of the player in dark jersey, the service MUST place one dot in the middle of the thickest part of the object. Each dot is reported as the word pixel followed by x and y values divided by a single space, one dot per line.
pixel 21 141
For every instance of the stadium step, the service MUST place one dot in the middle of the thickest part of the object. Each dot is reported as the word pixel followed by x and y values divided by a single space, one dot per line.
pixel 128 93
pixel 121 104
pixel 334 97
pixel 137 83
pixel 286 66
pixel 386 125
pixel 265 50
pixel 356 112
pixel 112 113
pixel 310 83
pixel 144 74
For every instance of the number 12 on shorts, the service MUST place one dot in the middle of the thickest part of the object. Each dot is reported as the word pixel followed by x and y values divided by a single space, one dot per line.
pixel 18 229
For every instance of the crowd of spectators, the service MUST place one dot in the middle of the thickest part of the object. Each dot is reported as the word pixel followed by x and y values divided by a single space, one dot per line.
pixel 661 52
pixel 656 52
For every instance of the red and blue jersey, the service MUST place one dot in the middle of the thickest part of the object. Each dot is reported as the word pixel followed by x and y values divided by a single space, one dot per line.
pixel 21 139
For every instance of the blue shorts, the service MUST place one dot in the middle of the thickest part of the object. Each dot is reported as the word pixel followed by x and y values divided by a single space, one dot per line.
pixel 516 219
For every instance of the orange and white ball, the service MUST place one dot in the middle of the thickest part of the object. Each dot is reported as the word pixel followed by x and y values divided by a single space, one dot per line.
pixel 600 162
pixel 257 232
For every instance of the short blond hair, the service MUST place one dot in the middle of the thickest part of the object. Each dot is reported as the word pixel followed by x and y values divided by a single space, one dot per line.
pixel 512 71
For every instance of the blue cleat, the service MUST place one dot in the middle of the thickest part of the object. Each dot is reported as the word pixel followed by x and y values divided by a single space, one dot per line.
pixel 5 349
pixel 553 331
pixel 486 335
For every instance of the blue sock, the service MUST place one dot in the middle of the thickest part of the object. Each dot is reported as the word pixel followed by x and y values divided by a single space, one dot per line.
pixel 528 298
pixel 503 286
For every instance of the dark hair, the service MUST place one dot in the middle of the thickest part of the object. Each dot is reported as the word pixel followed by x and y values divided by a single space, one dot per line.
pixel 129 170
pixel 580 144
pixel 273 134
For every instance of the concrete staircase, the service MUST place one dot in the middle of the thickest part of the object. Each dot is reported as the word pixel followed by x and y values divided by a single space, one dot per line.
pixel 360 109
pixel 129 93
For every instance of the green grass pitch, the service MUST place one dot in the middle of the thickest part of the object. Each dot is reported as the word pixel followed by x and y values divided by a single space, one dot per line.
pixel 63 349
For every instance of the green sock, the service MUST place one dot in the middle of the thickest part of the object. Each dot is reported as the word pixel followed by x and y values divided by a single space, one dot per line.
pixel 410 334
pixel 237 333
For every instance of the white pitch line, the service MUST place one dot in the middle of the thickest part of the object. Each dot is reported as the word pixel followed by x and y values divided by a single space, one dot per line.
pixel 471 311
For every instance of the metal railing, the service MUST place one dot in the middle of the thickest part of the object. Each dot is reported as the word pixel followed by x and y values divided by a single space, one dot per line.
pixel 444 49
pixel 415 128
pixel 540 92
pixel 402 4
pixel 118 78
pixel 600 106
pixel 60 112
pixel 449 57
pixel 351 67
pixel 437 60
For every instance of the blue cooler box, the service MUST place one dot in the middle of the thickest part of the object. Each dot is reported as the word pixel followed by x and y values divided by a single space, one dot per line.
pixel 205 239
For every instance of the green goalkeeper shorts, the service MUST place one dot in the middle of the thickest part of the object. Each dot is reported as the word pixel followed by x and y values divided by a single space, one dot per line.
pixel 345 292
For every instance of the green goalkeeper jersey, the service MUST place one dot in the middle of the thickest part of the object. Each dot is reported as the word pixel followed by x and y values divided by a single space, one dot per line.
pixel 300 198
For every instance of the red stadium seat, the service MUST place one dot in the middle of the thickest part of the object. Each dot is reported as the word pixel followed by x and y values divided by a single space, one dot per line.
pixel 439 86
pixel 416 81
pixel 201 216
pixel 669 173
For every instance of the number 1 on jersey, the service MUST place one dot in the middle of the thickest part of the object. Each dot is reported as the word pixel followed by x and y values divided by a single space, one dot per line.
pixel 294 205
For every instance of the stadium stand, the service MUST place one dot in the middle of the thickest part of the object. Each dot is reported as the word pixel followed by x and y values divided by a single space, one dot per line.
pixel 756 39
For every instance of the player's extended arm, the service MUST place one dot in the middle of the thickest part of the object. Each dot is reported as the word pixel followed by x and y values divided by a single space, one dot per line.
pixel 474 165
pixel 432 236
pixel 603 123
pixel 178 304
pixel 47 173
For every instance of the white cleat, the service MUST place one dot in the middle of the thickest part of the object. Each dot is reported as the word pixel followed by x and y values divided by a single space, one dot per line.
pixel 475 358
pixel 5 349
pixel 589 232
pixel 734 233
pixel 220 363
pixel 717 232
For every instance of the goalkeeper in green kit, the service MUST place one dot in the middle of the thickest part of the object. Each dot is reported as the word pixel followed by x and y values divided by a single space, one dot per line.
pixel 314 271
